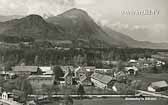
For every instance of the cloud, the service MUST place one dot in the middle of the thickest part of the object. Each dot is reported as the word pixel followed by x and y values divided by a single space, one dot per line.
pixel 85 2
pixel 10 7
pixel 149 32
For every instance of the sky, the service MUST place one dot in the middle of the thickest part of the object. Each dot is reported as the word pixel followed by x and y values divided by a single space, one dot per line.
pixel 141 19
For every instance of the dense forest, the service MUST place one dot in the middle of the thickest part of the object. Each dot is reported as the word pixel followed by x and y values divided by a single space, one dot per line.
pixel 72 56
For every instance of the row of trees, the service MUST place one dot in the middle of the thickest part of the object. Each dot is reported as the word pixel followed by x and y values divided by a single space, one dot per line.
pixel 30 56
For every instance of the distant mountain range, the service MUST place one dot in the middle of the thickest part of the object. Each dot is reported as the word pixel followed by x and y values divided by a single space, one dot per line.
pixel 74 25
pixel 10 17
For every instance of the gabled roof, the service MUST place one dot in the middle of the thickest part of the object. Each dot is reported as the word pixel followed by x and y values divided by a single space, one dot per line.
pixel 68 73
pixel 77 69
pixel 159 84
pixel 131 68
pixel 106 70
pixel 83 78
pixel 32 77
pixel 47 70
pixel 132 61
pixel 102 78
pixel 25 68
pixel 85 68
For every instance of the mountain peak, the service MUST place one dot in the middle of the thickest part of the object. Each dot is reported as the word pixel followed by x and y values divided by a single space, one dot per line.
pixel 33 17
pixel 32 20
pixel 75 12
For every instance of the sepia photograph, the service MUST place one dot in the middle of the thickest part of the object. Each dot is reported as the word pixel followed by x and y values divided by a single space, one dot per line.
pixel 83 52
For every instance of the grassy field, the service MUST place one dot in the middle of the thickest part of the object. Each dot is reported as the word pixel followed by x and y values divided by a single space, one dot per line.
pixel 153 77
pixel 112 101
pixel 118 102
pixel 147 78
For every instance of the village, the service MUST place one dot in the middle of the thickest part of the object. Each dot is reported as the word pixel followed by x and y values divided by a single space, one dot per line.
pixel 26 84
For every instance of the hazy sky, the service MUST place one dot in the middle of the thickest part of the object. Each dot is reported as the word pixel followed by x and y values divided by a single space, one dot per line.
pixel 153 27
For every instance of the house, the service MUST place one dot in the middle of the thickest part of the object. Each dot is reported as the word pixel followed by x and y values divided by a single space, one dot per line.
pixel 106 71
pixel 86 70
pixel 47 70
pixel 102 81
pixel 79 72
pixel 109 62
pixel 85 80
pixel 132 61
pixel 68 77
pixel 158 86
pixel 66 69
pixel 7 96
pixel 25 70
pixel 131 70
pixel 7 74
pixel 37 81
pixel 8 99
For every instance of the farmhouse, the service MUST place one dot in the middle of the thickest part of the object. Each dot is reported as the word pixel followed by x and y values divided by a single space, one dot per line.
pixel 47 70
pixel 85 80
pixel 37 81
pixel 131 70
pixel 81 71
pixel 25 70
pixel 68 77
pixel 158 86
pixel 66 69
pixel 106 71
pixel 102 81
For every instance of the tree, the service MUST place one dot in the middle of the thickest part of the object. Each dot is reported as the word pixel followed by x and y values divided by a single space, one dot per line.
pixel 58 72
pixel 155 69
pixel 36 60
pixel 120 66
pixel 39 71
pixel 80 90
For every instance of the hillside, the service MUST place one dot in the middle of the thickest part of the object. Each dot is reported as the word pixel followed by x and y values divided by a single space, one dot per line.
pixel 130 42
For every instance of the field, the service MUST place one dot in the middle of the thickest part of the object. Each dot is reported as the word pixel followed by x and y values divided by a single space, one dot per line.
pixel 147 78
pixel 118 102
pixel 113 101
pixel 153 77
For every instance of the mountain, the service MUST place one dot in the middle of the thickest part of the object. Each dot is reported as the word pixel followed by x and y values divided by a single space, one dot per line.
pixel 11 17
pixel 130 42
pixel 74 25
pixel 80 26
pixel 31 26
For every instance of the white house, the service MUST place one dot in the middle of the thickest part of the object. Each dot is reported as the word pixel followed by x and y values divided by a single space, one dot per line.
pixel 131 70
pixel 47 70
pixel 86 70
pixel 132 61
pixel 5 96
pixel 158 86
